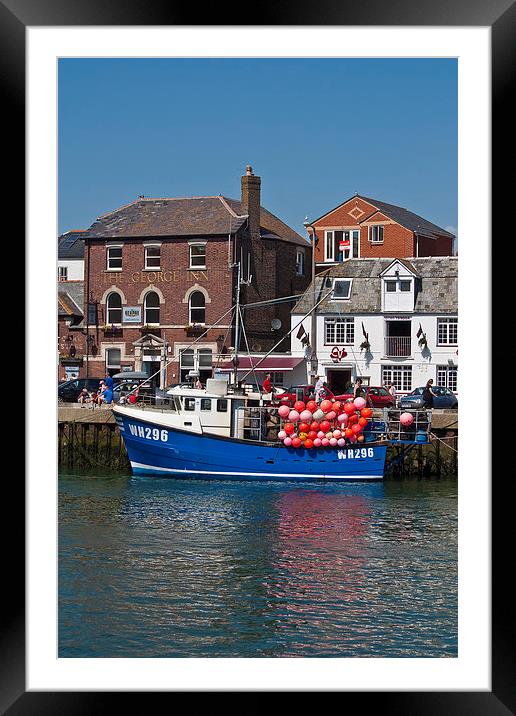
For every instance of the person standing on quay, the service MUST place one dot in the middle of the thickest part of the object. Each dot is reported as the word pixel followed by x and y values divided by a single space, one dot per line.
pixel 319 389
pixel 428 395
pixel 358 391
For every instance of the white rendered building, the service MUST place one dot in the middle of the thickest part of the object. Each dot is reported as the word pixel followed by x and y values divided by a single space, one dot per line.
pixel 383 320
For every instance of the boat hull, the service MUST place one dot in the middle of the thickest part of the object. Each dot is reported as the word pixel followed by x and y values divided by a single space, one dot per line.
pixel 154 449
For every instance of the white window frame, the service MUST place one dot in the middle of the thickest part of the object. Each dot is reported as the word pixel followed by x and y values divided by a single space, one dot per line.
pixel 354 231
pixel 336 329
pixel 196 308
pixel 341 280
pixel 191 244
pixel 448 371
pixel 108 309
pixel 399 375
pixel 447 321
pixel 146 247
pixel 62 273
pixel 300 262
pixel 372 233
pixel 116 258
pixel 331 243
pixel 152 308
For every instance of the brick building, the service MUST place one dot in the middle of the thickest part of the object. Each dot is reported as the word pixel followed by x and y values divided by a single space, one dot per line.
pixel 159 272
pixel 362 227
pixel 70 295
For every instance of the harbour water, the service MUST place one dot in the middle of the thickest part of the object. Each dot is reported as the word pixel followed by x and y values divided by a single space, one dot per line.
pixel 154 567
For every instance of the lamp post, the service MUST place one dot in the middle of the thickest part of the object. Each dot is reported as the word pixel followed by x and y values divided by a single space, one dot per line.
pixel 313 330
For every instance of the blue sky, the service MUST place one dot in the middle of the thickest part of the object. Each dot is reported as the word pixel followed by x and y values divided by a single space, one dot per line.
pixel 315 130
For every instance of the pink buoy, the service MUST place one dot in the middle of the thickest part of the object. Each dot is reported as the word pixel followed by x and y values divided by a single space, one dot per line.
pixel 325 442
pixel 317 442
pixel 321 435
pixel 343 418
pixel 337 434
pixel 293 416
pixel 359 403
pixel 406 419
pixel 305 416
pixel 333 442
pixel 331 415
pixel 283 411
pixel 287 442
pixel 341 442
pixel 282 435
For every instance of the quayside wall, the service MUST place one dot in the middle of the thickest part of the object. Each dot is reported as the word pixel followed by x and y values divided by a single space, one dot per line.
pixel 90 440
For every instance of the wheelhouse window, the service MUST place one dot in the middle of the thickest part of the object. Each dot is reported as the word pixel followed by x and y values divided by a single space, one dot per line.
pixel 62 273
pixel 339 330
pixel 153 257
pixel 222 405
pixel 151 308
pixel 341 288
pixel 197 305
pixel 114 258
pixel 197 256
pixel 447 376
pixel 376 234
pixel 206 404
pixel 114 309
pixel 447 331
pixel 300 262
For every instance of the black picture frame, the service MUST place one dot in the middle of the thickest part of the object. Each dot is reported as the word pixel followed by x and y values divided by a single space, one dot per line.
pixel 500 16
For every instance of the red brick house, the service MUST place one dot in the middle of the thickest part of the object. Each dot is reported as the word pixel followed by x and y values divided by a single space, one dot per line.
pixel 159 272
pixel 368 228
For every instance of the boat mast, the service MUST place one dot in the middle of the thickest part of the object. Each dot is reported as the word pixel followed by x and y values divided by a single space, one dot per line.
pixel 237 325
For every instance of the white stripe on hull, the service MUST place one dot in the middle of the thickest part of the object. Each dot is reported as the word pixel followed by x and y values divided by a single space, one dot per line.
pixel 256 474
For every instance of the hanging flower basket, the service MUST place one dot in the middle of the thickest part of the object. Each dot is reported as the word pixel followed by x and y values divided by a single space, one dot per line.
pixel 111 330
pixel 150 330
pixel 194 329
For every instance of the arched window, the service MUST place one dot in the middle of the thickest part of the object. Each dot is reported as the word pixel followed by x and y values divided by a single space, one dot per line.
pixel 197 307
pixel 151 308
pixel 114 308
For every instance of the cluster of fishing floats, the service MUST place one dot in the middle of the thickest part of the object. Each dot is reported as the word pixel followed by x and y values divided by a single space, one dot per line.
pixel 332 423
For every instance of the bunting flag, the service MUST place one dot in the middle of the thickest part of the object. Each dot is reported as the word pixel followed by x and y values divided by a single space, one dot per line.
pixel 420 331
pixel 300 333
pixel 303 336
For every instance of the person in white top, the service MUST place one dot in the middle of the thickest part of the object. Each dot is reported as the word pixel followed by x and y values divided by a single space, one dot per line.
pixel 319 389
pixel 392 391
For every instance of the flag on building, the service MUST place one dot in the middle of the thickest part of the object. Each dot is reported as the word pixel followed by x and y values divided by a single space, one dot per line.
pixel 420 331
pixel 364 331
pixel 303 336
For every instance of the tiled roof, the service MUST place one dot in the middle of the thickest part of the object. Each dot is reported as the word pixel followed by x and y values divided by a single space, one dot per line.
pixel 436 286
pixel 70 297
pixel 408 219
pixel 271 226
pixel 193 216
pixel 402 216
pixel 70 245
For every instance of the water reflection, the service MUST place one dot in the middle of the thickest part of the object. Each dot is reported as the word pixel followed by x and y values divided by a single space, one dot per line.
pixel 158 567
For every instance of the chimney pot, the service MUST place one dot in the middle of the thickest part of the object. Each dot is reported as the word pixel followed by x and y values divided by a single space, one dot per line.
pixel 249 170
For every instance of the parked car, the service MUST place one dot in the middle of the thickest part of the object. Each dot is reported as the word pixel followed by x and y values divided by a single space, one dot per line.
pixel 445 398
pixel 298 392
pixel 69 392
pixel 375 396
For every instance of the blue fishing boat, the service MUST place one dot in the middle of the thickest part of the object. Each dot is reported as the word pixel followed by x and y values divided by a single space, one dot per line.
pixel 215 434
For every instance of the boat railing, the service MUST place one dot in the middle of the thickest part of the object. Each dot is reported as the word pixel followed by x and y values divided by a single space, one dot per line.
pixel 417 432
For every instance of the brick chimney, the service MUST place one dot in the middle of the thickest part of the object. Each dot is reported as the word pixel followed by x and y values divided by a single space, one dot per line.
pixel 251 200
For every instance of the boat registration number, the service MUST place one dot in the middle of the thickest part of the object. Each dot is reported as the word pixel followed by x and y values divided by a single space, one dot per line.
pixel 149 433
pixel 353 453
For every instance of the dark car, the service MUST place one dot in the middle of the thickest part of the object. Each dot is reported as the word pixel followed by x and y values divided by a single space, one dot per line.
pixel 376 396
pixel 69 392
pixel 444 398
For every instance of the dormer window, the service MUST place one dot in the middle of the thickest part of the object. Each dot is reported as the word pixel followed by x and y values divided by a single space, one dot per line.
pixel 341 288
pixel 405 285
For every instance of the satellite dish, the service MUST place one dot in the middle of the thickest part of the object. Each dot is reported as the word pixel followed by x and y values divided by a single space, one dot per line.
pixel 276 324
